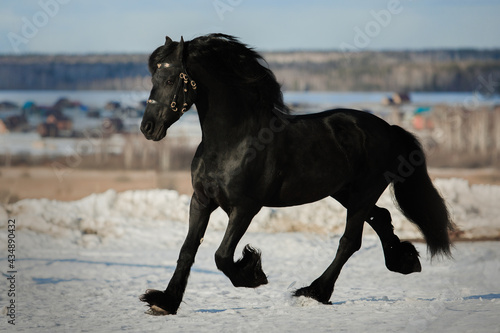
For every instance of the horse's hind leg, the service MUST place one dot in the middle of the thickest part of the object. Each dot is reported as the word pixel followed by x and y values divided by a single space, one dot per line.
pixel 322 288
pixel 401 257
pixel 168 301
pixel 247 271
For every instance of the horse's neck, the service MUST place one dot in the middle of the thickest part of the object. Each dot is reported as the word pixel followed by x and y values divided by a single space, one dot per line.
pixel 225 117
pixel 223 123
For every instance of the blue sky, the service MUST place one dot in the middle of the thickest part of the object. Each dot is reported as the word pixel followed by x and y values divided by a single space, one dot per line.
pixel 111 26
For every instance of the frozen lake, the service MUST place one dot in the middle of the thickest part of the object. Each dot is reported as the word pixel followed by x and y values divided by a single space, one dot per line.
pixel 322 99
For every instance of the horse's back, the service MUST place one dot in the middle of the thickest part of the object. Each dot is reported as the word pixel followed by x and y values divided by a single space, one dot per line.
pixel 321 153
pixel 348 133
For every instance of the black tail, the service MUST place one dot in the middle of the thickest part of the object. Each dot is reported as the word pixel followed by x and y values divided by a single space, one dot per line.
pixel 417 197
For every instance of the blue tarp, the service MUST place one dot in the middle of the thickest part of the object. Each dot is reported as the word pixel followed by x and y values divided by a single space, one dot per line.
pixel 28 105
pixel 422 109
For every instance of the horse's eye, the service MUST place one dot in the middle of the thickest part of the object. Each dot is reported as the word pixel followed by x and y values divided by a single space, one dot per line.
pixel 170 82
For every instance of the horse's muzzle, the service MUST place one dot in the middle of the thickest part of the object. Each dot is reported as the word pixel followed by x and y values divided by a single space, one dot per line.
pixel 152 132
pixel 147 128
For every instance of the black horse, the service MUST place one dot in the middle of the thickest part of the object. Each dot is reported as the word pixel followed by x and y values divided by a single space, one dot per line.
pixel 253 153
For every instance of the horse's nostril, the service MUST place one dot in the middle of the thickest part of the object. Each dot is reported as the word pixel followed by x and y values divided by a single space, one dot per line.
pixel 147 127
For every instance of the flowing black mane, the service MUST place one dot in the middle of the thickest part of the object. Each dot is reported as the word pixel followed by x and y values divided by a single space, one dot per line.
pixel 235 63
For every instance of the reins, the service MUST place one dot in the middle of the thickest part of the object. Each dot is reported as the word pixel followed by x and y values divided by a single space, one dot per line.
pixel 183 78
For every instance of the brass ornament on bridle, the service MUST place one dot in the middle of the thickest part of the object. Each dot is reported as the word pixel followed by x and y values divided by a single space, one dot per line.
pixel 187 83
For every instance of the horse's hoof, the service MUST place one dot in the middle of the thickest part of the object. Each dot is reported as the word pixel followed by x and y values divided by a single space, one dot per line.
pixel 156 311
pixel 402 258
pixel 158 303
pixel 311 293
pixel 249 269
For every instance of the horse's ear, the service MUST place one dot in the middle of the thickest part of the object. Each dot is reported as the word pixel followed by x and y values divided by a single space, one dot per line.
pixel 168 40
pixel 180 49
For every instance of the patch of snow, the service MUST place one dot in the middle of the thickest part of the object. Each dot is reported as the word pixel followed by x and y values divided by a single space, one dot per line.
pixel 474 208
pixel 82 265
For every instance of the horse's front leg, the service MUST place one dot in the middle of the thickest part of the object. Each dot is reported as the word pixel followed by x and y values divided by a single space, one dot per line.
pixel 247 271
pixel 168 301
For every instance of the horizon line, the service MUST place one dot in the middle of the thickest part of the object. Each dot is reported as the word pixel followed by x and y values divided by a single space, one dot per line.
pixel 291 50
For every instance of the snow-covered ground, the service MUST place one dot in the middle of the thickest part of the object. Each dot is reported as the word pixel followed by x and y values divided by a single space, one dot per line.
pixel 82 265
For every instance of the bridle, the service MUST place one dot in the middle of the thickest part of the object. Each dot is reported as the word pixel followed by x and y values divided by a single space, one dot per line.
pixel 183 78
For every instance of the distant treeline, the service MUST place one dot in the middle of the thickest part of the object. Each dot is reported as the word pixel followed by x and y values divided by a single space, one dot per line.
pixel 435 70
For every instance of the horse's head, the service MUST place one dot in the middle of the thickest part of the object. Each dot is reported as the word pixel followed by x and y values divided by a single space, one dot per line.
pixel 173 91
